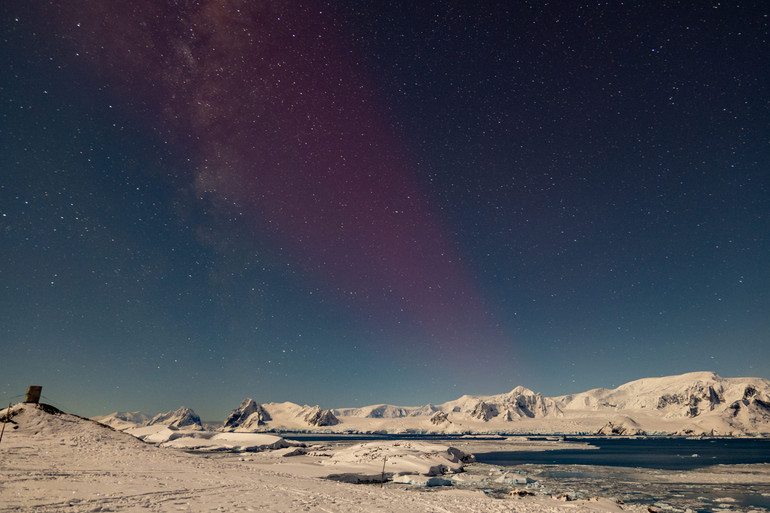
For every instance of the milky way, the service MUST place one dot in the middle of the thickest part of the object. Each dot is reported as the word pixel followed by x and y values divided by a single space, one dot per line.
pixel 284 128
pixel 326 201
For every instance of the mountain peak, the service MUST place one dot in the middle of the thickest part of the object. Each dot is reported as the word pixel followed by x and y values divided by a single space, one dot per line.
pixel 181 418
pixel 249 415
pixel 520 390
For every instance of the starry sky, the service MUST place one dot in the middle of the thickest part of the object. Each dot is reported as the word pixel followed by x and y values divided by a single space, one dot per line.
pixel 350 203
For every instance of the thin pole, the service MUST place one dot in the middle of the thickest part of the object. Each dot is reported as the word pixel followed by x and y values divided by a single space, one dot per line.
pixel 382 481
pixel 8 414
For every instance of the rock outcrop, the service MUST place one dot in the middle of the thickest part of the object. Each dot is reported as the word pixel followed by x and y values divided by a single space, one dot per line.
pixel 439 418
pixel 250 414
pixel 317 417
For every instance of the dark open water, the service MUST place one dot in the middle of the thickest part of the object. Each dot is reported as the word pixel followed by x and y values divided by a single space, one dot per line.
pixel 664 471
pixel 658 453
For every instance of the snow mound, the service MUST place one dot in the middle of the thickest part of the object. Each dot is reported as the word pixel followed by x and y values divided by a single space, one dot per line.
pixel 365 462
pixel 231 442
pixel 422 480
pixel 44 422
pixel 213 441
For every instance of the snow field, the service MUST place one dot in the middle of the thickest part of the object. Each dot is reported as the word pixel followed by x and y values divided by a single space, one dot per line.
pixel 64 463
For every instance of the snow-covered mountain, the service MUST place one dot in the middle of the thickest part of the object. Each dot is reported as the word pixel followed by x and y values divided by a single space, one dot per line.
pixel 122 420
pixel 252 416
pixel 141 426
pixel 248 416
pixel 385 411
pixel 182 418
pixel 519 403
pixel 698 403
pixel 687 395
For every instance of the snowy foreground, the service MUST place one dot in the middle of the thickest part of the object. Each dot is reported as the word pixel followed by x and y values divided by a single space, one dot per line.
pixel 59 462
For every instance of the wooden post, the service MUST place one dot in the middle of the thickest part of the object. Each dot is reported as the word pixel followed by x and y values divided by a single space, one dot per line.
pixel 33 394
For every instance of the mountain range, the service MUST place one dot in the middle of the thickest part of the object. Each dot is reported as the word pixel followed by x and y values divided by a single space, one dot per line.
pixel 694 404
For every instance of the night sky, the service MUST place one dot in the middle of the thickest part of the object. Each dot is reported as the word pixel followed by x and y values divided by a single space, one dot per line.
pixel 351 203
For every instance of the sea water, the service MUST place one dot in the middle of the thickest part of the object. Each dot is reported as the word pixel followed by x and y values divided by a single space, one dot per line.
pixel 653 452
pixel 704 475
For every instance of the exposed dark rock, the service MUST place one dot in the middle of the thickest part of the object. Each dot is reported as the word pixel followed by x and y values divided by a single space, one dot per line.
pixel 667 399
pixel 692 406
pixel 247 408
pixel 521 492
pixel 621 427
pixel 484 411
pixel 439 418
pixel 714 397
pixel 697 399
pixel 318 417
pixel 762 404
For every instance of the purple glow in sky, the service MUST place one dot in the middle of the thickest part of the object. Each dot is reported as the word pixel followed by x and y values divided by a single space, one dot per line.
pixel 355 203
pixel 285 129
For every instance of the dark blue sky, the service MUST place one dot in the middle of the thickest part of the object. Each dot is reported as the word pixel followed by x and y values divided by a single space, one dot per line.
pixel 373 202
